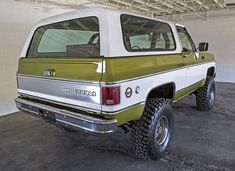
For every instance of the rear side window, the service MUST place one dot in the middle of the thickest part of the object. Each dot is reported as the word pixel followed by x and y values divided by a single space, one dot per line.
pixel 73 38
pixel 141 34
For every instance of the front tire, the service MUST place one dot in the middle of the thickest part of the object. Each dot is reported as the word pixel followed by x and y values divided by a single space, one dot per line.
pixel 205 96
pixel 151 135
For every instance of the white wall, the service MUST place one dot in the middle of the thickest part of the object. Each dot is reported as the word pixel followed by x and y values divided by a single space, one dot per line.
pixel 219 32
pixel 16 20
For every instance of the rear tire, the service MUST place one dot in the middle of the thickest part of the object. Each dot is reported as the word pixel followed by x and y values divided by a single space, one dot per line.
pixel 69 129
pixel 151 135
pixel 205 96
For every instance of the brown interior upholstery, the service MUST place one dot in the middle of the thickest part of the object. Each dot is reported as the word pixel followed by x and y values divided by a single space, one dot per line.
pixel 83 50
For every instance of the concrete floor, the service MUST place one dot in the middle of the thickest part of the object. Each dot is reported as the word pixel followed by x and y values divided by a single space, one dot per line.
pixel 202 141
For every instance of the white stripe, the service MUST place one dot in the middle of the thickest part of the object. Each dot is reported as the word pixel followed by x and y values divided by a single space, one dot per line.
pixel 194 75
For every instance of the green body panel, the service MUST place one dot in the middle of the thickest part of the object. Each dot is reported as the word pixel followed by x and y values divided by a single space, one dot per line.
pixel 127 115
pixel 116 69
pixel 189 58
pixel 186 91
pixel 72 69
pixel 124 68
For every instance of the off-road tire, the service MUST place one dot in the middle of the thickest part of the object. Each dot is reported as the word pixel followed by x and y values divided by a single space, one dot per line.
pixel 69 129
pixel 205 96
pixel 144 130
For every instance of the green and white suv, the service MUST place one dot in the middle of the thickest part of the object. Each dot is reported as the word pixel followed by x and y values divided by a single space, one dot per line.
pixel 98 69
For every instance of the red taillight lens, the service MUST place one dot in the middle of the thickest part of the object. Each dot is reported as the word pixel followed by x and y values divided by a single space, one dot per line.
pixel 110 95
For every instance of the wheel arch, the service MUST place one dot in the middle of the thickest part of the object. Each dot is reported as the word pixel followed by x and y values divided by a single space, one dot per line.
pixel 166 90
pixel 211 72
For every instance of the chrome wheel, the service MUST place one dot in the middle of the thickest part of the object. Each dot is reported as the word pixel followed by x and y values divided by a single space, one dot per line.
pixel 212 97
pixel 162 130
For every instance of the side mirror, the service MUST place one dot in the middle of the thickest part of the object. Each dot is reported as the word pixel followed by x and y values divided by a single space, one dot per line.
pixel 203 46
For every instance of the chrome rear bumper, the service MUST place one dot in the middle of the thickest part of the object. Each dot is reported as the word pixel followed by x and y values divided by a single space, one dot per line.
pixel 67 118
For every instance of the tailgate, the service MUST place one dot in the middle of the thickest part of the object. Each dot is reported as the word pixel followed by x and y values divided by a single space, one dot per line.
pixel 70 81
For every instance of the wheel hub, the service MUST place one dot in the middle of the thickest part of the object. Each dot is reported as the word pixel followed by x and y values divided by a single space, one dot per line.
pixel 161 131
pixel 212 96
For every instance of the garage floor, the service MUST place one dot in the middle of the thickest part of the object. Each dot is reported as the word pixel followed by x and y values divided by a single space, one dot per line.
pixel 202 141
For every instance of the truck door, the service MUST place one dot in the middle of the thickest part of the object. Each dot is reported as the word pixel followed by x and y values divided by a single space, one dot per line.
pixel 190 57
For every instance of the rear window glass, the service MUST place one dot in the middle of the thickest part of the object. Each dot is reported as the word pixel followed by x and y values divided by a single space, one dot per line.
pixel 141 34
pixel 73 38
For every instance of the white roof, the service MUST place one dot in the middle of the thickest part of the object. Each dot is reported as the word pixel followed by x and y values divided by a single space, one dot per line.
pixel 111 37
pixel 93 11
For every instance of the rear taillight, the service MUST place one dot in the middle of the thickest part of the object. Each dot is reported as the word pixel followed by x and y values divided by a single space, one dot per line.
pixel 110 95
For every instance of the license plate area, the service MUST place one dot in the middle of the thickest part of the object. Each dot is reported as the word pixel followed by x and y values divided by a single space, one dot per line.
pixel 47 115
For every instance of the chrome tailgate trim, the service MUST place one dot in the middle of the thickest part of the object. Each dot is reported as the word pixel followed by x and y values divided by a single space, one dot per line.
pixel 74 93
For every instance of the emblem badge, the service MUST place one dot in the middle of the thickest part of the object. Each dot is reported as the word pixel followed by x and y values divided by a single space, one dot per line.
pixel 128 92
pixel 137 89
pixel 49 73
